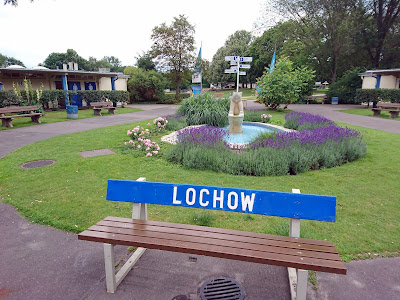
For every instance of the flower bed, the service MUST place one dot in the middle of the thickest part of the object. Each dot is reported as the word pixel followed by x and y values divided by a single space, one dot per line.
pixel 324 146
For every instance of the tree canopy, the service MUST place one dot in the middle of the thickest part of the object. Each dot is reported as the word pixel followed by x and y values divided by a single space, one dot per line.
pixel 6 61
pixel 173 48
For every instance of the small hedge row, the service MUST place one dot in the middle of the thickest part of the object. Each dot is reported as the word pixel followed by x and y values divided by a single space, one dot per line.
pixel 8 98
pixel 378 95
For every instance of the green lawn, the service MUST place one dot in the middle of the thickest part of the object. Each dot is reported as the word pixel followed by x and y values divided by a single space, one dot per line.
pixel 70 194
pixel 61 115
pixel 247 94
pixel 368 112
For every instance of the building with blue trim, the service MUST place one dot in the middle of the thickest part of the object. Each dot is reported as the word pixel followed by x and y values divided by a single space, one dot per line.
pixel 381 79
pixel 68 78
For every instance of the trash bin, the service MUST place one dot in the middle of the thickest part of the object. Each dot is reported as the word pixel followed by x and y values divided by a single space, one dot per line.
pixel 72 111
pixel 335 100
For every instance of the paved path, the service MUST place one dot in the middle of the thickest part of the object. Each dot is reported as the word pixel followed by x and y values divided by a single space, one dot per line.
pixel 332 112
pixel 38 262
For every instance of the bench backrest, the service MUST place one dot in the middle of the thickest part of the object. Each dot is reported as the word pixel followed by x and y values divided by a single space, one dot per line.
pixel 14 109
pixel 101 104
pixel 388 105
pixel 290 205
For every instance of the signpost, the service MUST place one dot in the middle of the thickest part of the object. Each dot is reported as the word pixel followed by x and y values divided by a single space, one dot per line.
pixel 236 66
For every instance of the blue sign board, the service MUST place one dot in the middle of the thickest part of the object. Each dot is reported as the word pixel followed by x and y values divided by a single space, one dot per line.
pixel 298 206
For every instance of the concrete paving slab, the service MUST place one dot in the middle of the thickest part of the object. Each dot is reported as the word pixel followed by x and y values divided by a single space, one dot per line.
pixel 97 152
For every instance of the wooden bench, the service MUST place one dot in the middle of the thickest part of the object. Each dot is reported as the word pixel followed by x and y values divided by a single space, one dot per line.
pixel 25 111
pixel 98 106
pixel 392 108
pixel 288 251
pixel 218 95
pixel 314 97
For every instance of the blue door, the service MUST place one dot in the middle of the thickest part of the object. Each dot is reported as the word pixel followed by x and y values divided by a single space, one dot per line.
pixel 75 86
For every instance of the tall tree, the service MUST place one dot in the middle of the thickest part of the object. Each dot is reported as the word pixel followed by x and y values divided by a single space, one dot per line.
pixel 55 60
pixel 145 61
pixel 173 48
pixel 379 18
pixel 8 61
pixel 326 26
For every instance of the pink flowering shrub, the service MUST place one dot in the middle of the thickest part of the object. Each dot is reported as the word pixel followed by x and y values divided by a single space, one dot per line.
pixel 141 137
pixel 160 123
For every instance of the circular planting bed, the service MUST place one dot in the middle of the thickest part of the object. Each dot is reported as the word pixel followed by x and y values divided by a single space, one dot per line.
pixel 319 143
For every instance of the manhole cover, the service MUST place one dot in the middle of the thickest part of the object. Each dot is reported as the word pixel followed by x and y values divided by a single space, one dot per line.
pixel 221 288
pixel 37 164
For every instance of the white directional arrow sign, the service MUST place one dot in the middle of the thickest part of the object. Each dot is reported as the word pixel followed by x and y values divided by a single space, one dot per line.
pixel 234 58
pixel 235 66
pixel 244 66
pixel 246 59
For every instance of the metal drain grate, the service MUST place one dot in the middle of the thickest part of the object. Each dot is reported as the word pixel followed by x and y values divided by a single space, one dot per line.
pixel 221 288
pixel 37 164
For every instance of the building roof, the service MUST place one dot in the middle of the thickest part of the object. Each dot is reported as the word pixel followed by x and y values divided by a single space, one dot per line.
pixel 394 72
pixel 62 72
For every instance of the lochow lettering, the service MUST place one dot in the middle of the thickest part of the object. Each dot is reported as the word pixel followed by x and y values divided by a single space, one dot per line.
pixel 216 199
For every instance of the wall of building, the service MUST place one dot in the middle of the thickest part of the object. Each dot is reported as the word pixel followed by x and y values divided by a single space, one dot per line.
pixel 388 82
pixel 105 84
pixel 369 82
pixel 121 84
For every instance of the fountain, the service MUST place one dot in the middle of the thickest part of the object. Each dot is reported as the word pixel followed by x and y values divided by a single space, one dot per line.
pixel 236 114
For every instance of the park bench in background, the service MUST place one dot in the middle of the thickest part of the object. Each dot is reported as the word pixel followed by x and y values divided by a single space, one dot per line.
pixel 392 108
pixel 315 97
pixel 23 111
pixel 288 251
pixel 98 106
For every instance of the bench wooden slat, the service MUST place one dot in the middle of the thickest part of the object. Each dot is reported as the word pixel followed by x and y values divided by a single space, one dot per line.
pixel 326 246
pixel 12 109
pixel 227 240
pixel 217 251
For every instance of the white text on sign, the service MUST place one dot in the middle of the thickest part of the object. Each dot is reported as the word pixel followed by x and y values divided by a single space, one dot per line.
pixel 216 199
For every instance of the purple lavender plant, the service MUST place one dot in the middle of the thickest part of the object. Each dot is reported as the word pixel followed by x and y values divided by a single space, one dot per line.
pixel 301 121
pixel 315 137
pixel 203 136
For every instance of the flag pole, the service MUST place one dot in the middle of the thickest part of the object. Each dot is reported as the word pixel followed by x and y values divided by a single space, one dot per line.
pixel 201 72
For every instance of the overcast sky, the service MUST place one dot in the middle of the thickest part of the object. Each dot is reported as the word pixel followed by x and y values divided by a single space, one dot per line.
pixel 122 28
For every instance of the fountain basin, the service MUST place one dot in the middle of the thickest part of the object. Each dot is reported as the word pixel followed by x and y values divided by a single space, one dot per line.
pixel 237 140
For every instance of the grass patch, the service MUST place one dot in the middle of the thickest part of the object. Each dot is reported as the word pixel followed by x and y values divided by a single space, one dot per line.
pixel 70 195
pixel 368 112
pixel 61 116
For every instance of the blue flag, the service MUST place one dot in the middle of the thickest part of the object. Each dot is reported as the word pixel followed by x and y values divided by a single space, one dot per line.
pixel 272 63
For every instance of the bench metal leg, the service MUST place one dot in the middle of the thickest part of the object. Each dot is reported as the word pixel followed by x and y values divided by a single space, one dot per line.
pixel 113 280
pixel 301 290
pixel 298 283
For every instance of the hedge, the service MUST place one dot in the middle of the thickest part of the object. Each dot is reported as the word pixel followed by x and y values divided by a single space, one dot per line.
pixel 378 95
pixel 8 98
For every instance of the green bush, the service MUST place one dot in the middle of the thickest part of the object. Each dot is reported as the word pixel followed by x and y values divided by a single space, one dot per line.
pixel 345 87
pixel 378 95
pixel 205 109
pixel 146 86
pixel 8 98
pixel 284 85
